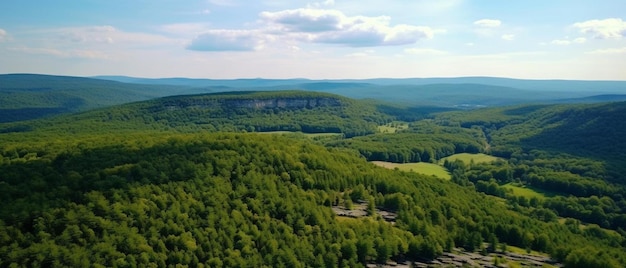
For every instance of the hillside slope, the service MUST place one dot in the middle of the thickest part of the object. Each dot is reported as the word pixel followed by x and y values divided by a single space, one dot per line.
pixel 31 96
pixel 224 200
pixel 308 112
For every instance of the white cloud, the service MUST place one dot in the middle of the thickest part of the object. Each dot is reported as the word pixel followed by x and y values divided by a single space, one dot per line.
pixel 227 40
pixel 424 51
pixel 508 37
pixel 566 42
pixel 611 28
pixel 306 20
pixel 333 26
pixel 488 23
pixel 608 51
pixel 3 34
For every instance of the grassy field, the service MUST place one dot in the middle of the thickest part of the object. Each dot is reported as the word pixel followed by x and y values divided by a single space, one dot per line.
pixel 422 168
pixel 468 158
pixel 526 192
pixel 393 127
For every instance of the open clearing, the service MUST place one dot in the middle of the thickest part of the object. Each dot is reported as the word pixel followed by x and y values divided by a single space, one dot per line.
pixel 422 168
pixel 525 192
pixel 468 158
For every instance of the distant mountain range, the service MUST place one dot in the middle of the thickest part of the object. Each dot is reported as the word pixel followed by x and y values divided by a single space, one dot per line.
pixel 31 96
pixel 600 87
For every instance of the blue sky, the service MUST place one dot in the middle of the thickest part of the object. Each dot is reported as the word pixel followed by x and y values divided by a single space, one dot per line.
pixel 536 39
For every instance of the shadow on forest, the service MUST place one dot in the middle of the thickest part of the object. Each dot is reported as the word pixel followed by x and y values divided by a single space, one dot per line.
pixel 596 132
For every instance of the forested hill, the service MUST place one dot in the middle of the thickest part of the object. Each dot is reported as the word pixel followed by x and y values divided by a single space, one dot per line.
pixel 594 131
pixel 308 112
pixel 31 96
pixel 247 200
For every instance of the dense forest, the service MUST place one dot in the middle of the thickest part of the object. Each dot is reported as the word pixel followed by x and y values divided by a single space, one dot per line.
pixel 188 180
pixel 245 200
pixel 423 141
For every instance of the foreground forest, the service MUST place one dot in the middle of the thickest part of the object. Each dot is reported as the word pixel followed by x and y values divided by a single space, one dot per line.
pixel 190 180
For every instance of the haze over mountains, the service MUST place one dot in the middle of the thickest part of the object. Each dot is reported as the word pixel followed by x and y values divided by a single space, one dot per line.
pixel 29 96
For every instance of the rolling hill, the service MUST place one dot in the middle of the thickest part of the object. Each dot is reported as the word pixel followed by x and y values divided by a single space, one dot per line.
pixel 31 96
pixel 309 112
pixel 177 180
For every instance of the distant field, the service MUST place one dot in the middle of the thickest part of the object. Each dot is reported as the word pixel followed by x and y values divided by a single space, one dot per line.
pixel 422 168
pixel 393 127
pixel 468 158
pixel 310 135
pixel 526 192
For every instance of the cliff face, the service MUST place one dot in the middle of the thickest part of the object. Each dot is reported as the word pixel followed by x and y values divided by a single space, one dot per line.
pixel 295 103
pixel 254 103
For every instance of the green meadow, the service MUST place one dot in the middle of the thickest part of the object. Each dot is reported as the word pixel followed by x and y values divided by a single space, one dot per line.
pixel 468 158
pixel 422 168
pixel 525 192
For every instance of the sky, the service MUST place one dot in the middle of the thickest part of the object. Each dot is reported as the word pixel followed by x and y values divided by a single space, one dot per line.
pixel 328 39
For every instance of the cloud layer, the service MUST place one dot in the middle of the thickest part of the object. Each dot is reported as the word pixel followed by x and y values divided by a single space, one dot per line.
pixel 612 28
pixel 333 26
pixel 313 26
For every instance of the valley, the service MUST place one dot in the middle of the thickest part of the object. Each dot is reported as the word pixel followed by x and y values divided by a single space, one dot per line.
pixel 190 173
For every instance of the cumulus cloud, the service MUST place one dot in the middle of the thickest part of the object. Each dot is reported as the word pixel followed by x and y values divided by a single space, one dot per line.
pixel 488 23
pixel 333 26
pixel 3 34
pixel 306 20
pixel 611 28
pixel 227 40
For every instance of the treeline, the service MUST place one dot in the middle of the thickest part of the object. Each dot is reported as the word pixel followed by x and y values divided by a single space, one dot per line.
pixel 421 142
pixel 241 200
